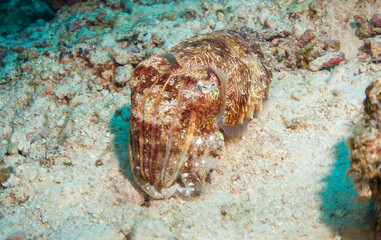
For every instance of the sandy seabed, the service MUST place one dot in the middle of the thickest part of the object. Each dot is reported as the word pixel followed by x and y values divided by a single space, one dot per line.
pixel 64 108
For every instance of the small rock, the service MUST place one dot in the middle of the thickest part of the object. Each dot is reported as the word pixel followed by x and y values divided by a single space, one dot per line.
pixel 332 45
pixel 122 56
pixel 296 96
pixel 365 29
pixel 44 76
pixel 269 23
pixel 30 53
pixel 156 41
pixel 168 16
pixel 318 8
pixel 25 67
pixel 77 78
pixel 327 61
pixel 376 20
pixel 374 44
pixel 362 56
pixel 220 15
pixel 204 6
pixel 12 149
pixel 123 74
pixel 297 31
pixel 336 93
pixel 5 132
pixel 19 139
pixel 308 36
pixel 296 123
pixel 46 133
pixel 63 92
pixel 107 76
pixel 100 59
pixel 190 15
pixel 362 70
pixel 49 89
pixel 60 122
pixel 5 173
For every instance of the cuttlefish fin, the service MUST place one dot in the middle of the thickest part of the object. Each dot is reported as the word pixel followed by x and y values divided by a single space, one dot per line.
pixel 171 58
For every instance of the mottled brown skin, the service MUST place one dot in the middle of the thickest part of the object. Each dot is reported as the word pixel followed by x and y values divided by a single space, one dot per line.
pixel 240 58
pixel 182 99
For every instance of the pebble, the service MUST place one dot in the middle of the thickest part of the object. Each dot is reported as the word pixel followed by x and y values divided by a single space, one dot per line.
pixel 296 96
pixel 28 54
pixel 376 19
pixel 46 133
pixel 5 132
pixel 270 23
pixel 25 67
pixel 123 74
pixel 20 141
pixel 326 61
pixel 296 123
pixel 44 75
pixel 375 47
pixel 336 93
pixel 60 122
pixel 107 75
pixel 360 71
pixel 24 146
pixel 62 92
pixel 190 15
pixel 122 56
pixel 220 15
pixel 49 89
pixel 77 78
pixel 12 149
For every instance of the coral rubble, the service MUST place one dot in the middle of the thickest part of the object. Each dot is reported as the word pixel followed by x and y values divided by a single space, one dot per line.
pixel 370 32
pixel 302 50
pixel 365 149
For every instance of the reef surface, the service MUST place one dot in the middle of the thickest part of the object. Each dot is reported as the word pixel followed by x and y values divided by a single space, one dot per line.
pixel 64 111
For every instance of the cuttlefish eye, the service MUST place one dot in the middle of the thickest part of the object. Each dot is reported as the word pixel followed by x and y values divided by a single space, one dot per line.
pixel 208 85
pixel 205 88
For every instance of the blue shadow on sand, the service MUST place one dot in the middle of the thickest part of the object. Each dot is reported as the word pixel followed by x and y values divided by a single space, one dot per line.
pixel 339 212
pixel 120 127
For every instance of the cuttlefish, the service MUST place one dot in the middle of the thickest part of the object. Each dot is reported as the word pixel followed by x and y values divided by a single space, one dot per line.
pixel 184 103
